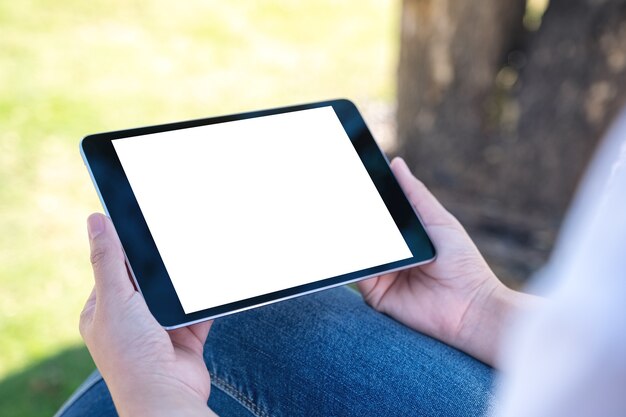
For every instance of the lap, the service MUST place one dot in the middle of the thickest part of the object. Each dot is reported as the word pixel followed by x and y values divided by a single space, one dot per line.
pixel 327 354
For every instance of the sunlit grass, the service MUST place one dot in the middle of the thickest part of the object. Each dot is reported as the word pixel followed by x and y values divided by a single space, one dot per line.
pixel 72 68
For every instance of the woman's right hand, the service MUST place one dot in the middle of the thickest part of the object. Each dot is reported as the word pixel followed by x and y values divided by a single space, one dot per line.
pixel 456 298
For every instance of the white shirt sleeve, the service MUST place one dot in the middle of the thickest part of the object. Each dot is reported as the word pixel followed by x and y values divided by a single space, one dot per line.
pixel 569 359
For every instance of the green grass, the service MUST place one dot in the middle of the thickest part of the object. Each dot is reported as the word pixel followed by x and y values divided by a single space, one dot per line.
pixel 39 389
pixel 72 68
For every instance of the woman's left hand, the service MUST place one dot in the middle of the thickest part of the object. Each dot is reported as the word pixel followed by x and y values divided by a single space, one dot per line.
pixel 149 371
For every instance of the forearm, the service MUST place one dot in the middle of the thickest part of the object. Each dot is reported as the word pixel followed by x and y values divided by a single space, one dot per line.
pixel 487 320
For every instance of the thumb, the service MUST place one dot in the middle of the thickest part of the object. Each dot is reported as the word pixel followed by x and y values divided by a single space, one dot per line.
pixel 429 208
pixel 107 260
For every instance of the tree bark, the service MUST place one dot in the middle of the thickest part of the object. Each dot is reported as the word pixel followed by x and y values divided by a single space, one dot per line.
pixel 450 53
pixel 569 92
pixel 500 123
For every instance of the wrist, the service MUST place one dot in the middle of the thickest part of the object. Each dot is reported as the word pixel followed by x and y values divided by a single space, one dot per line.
pixel 487 318
pixel 157 398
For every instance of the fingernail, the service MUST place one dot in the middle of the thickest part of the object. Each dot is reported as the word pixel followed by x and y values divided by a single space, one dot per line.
pixel 95 225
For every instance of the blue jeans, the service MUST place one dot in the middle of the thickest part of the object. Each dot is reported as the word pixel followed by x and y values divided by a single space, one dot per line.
pixel 325 354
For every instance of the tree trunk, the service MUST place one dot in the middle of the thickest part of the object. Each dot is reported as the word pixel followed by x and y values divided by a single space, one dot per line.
pixel 500 123
pixel 569 92
pixel 450 53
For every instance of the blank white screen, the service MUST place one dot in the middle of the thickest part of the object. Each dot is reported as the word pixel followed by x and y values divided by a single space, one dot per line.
pixel 249 207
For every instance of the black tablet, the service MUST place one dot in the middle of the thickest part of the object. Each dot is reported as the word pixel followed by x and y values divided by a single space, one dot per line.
pixel 223 214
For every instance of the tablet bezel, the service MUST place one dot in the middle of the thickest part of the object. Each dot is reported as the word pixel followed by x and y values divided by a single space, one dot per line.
pixel 143 258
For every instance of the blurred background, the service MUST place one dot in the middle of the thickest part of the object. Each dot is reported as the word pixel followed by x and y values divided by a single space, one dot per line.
pixel 496 104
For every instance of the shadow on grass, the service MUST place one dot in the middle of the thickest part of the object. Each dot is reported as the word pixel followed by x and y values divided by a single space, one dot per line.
pixel 40 389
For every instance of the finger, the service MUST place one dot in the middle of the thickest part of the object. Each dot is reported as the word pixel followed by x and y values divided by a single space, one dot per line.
pixel 201 330
pixel 366 286
pixel 429 208
pixel 192 337
pixel 107 259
